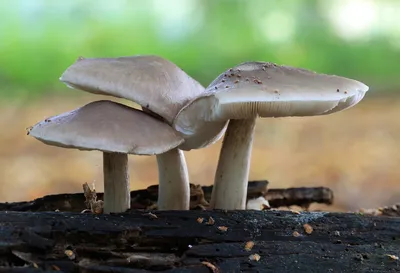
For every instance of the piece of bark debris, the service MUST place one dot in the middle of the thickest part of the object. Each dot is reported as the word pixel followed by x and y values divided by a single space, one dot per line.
pixel 249 245
pixel 359 257
pixel 26 256
pixel 151 215
pixel 222 228
pixel 212 267
pixel 393 257
pixel 210 221
pixel 91 202
pixel 308 228
pixel 200 220
pixel 254 257
pixel 393 210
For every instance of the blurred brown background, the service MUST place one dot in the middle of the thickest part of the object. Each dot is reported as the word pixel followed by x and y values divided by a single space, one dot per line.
pixel 355 152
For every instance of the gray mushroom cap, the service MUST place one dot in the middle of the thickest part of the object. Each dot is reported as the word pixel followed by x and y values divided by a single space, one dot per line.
pixel 154 83
pixel 151 81
pixel 262 89
pixel 109 127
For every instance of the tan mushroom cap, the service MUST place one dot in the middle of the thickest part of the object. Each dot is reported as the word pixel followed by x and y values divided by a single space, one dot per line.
pixel 151 81
pixel 109 127
pixel 263 89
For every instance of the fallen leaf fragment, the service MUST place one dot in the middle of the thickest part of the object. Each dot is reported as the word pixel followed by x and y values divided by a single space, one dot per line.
pixel 223 228
pixel 212 267
pixel 307 228
pixel 200 220
pixel 254 257
pixel 249 245
pixel 70 254
pixel 295 211
pixel 296 234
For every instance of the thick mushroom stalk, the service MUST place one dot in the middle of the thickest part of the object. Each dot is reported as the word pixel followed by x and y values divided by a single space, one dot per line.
pixel 173 190
pixel 258 89
pixel 117 130
pixel 117 197
pixel 234 165
pixel 173 177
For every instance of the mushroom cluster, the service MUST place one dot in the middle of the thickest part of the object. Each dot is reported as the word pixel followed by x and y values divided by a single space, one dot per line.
pixel 161 88
pixel 258 89
pixel 180 114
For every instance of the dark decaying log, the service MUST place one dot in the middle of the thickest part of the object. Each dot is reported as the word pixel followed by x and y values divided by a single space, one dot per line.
pixel 198 241
pixel 302 197
pixel 200 196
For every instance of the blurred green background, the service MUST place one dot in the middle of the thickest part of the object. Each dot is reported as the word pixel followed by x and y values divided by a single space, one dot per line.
pixel 355 152
pixel 354 38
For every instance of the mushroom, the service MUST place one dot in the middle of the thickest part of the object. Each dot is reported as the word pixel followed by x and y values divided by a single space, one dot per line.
pixel 259 203
pixel 161 88
pixel 258 89
pixel 117 130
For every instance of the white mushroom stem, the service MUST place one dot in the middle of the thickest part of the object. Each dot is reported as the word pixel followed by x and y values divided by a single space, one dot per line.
pixel 117 196
pixel 173 189
pixel 231 178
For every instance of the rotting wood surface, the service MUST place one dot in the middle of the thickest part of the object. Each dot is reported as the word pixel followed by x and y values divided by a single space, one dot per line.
pixel 198 241
pixel 200 196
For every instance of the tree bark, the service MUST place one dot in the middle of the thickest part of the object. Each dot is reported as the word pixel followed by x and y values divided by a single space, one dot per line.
pixel 200 195
pixel 198 241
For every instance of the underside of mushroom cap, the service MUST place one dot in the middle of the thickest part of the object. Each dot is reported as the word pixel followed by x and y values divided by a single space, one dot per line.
pixel 151 81
pixel 109 127
pixel 193 124
pixel 262 89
